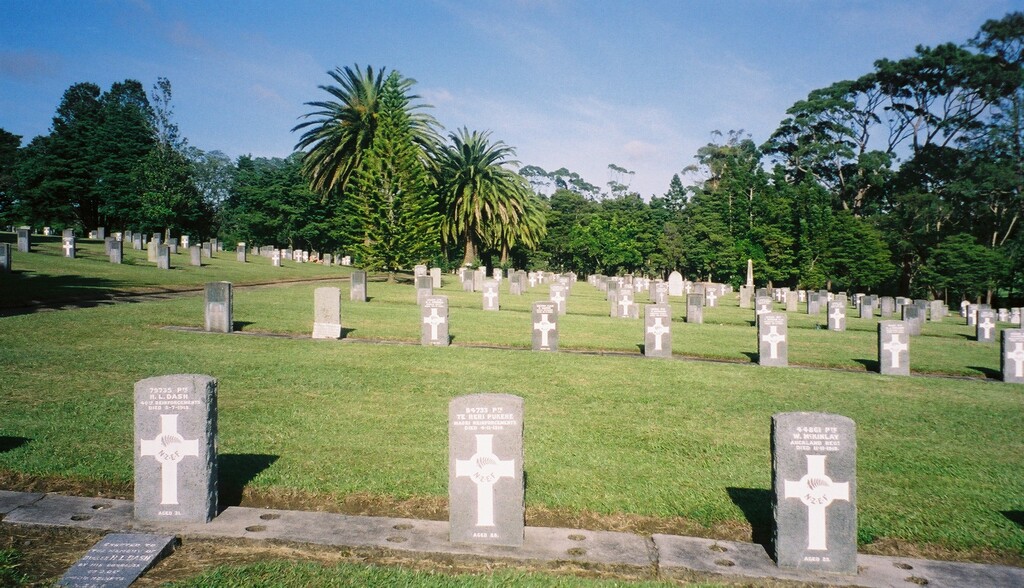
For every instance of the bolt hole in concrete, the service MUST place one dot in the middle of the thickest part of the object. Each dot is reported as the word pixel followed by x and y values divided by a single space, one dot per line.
pixel 577 537
pixel 902 566
pixel 918 581
pixel 402 527
pixel 397 539
pixel 577 551
pixel 725 563
pixel 100 506
pixel 270 517
pixel 717 548
pixel 256 528
pixel 80 517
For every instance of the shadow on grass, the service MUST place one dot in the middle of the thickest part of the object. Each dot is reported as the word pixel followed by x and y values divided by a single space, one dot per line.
pixel 870 365
pixel 1016 516
pixel 968 337
pixel 26 292
pixel 235 471
pixel 240 325
pixel 752 356
pixel 756 505
pixel 989 373
pixel 11 443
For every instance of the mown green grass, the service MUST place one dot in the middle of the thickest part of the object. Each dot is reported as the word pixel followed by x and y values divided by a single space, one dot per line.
pixel 939 460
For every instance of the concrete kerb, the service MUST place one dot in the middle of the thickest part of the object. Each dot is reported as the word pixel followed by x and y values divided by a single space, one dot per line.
pixel 671 556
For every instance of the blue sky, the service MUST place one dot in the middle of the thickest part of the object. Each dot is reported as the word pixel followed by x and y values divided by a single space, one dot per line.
pixel 640 84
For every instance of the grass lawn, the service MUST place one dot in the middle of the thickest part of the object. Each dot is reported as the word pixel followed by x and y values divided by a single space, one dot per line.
pixel 612 440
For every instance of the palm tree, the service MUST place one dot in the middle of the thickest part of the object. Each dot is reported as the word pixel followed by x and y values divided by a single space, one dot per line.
pixel 529 231
pixel 341 130
pixel 478 194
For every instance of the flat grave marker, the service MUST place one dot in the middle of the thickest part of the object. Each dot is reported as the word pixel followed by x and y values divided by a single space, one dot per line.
pixel 117 560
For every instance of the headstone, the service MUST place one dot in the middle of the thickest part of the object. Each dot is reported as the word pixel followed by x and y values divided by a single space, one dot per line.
pixel 240 252
pixel 1012 355
pixel 557 293
pixel 5 258
pixel 675 284
pixel 163 257
pixel 485 470
pixel 762 306
pixel 195 257
pixel 711 297
pixel 357 293
pixel 837 316
pixel 218 298
pixel 490 295
pixel 695 309
pixel 434 321
pixel 435 277
pixel 467 281
pixel 893 348
pixel 184 242
pixel 888 306
pixel 211 251
pixel 912 316
pixel 746 296
pixel 424 288
pixel 118 560
pixel 68 246
pixel 327 313
pixel 624 305
pixel 545 326
pixel 985 330
pixel 158 238
pixel 658 330
pixel 275 258
pixel 101 233
pixel 792 301
pixel 68 233
pixel 773 340
pixel 419 271
pixel 328 258
pixel 972 315
pixel 47 231
pixel 813 303
pixel 137 242
pixel 814 477
pixel 24 241
pixel 347 260
pixel 176 448
pixel 116 253
pixel 936 309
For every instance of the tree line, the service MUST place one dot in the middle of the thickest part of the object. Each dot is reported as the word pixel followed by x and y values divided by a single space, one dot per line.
pixel 906 180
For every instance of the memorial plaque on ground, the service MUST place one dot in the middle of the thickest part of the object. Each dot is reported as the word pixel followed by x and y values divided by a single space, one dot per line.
pixel 545 326
pixel 5 257
pixel 490 295
pixel 837 316
pixel 218 307
pixel 434 321
pixel 658 330
pixel 1011 355
pixel 893 348
pixel 176 448
pixel 773 340
pixel 327 313
pixel 985 330
pixel 485 470
pixel 695 308
pixel 24 241
pixel 814 476
pixel 357 293
pixel 117 560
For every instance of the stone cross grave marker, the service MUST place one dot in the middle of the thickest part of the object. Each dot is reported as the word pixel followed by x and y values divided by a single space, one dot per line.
pixel 658 330
pixel 837 316
pixel 490 295
pixel 485 470
pixel 985 330
pixel 558 293
pixel 1012 355
pixel 5 258
pixel 24 241
pixel 545 326
pixel 68 246
pixel 357 292
pixel 118 560
pixel 195 256
pixel 424 288
pixel 773 340
pixel 434 321
pixel 219 317
pixel 327 313
pixel 893 348
pixel 814 476
pixel 176 448
pixel 695 309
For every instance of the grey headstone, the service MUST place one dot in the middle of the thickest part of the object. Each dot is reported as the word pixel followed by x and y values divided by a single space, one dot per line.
pixel 218 298
pixel 435 277
pixel 866 309
pixel 424 288
pixel 545 326
pixel 813 303
pixel 24 241
pixel 485 470
pixel 888 306
pixel 172 244
pixel 116 253
pixel 5 258
pixel 195 255
pixel 936 310
pixel 467 281
pixel 814 476
pixel 695 309
pixel 711 296
pixel 419 271
pixel 792 301
pixel 624 304
pixel 773 340
pixel 176 448
pixel 912 316
pixel 137 242
pixel 893 348
pixel 163 257
pixel 358 288
pixel 327 313
pixel 746 296
pixel 675 284
pixel 275 258
pixel 762 306
pixel 434 321
pixel 106 244
pixel 658 330
pixel 490 295
pixel 985 330
pixel 68 246
pixel 101 233
pixel 68 233
pixel 240 253
pixel 118 560
pixel 1011 355
pixel 558 294
pixel 837 316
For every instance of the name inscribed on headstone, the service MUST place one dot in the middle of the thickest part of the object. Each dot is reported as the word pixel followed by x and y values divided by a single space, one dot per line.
pixel 658 330
pixel 118 560
pixel 485 469
pixel 545 326
pixel 434 321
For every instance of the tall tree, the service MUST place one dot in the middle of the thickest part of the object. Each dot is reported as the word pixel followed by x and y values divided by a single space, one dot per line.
pixel 9 144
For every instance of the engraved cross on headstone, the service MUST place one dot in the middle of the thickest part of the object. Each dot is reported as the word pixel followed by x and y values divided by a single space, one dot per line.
pixel 1017 357
pixel 434 320
pixel 544 326
pixel 816 490
pixel 712 297
pixel 986 326
pixel 69 247
pixel 773 338
pixel 558 298
pixel 169 448
pixel 490 295
pixel 484 469
pixel 837 315
pixel 657 329
pixel 625 303
pixel 895 347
